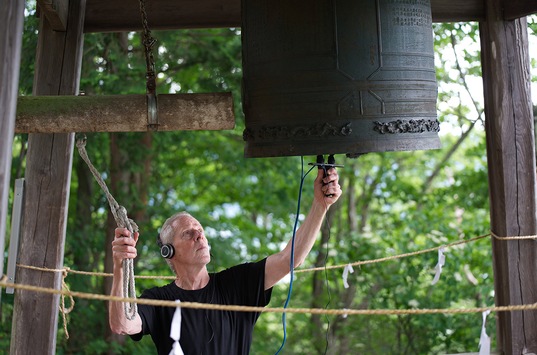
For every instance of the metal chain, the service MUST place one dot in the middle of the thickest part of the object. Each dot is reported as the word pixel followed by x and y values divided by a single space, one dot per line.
pixel 151 81
pixel 148 41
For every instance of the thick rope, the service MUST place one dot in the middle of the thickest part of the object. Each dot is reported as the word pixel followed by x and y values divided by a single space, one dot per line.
pixel 393 257
pixel 93 273
pixel 330 267
pixel 514 237
pixel 65 291
pixel 120 215
pixel 235 308
pixel 195 305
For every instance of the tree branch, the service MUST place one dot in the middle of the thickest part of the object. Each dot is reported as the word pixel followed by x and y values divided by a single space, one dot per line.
pixel 428 183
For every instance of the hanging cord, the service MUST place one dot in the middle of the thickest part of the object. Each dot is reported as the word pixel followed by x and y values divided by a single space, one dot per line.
pixel 120 216
pixel 327 336
pixel 327 283
pixel 292 261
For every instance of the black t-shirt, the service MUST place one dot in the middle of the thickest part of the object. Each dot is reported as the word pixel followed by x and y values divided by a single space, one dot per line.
pixel 209 332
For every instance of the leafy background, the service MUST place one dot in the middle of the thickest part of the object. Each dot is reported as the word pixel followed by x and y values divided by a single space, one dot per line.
pixel 393 203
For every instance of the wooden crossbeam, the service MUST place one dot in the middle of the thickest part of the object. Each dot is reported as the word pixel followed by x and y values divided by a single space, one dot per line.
pixel 102 15
pixel 513 9
pixel 56 13
pixel 123 113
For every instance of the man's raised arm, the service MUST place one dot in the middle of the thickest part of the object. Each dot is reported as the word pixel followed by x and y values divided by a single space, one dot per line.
pixel 326 192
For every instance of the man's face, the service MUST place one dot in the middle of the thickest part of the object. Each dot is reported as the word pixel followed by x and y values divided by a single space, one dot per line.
pixel 189 241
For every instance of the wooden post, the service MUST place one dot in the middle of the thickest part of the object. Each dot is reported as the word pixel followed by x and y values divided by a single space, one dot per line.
pixel 56 13
pixel 11 21
pixel 511 166
pixel 48 174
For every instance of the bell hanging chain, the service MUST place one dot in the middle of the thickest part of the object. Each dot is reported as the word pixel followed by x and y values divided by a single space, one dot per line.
pixel 151 81
pixel 148 41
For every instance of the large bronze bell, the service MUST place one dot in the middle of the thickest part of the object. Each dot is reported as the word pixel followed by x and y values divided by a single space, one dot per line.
pixel 339 76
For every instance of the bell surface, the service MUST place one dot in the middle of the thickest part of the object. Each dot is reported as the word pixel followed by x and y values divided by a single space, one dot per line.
pixel 340 76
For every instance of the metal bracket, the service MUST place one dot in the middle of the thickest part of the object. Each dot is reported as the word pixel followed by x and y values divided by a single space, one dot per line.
pixel 16 217
pixel 152 112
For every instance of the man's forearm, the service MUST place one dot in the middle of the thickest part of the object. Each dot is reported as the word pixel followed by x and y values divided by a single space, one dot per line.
pixel 307 233
pixel 116 315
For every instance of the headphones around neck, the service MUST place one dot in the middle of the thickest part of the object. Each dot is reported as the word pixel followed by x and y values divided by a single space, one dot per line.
pixel 166 250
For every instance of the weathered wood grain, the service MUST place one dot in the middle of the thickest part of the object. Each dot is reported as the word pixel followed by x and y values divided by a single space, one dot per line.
pixel 123 113
pixel 48 175
pixel 511 165
pixel 11 24
pixel 101 15
pixel 56 13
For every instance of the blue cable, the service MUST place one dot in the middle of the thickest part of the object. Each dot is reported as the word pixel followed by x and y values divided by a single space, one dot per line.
pixel 292 261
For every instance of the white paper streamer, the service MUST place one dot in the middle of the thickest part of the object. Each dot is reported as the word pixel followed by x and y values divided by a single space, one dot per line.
pixel 346 271
pixel 344 315
pixel 175 331
pixel 484 340
pixel 439 265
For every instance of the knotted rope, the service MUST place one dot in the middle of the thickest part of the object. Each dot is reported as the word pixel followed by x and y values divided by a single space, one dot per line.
pixel 66 311
pixel 122 221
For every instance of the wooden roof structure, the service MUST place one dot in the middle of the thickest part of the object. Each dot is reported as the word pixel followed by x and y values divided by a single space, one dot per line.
pixel 509 132
pixel 101 15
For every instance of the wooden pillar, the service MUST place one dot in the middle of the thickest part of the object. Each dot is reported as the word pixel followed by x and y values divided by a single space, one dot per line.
pixel 511 167
pixel 11 25
pixel 48 174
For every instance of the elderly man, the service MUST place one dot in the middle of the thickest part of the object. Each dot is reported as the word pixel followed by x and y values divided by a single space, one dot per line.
pixel 250 284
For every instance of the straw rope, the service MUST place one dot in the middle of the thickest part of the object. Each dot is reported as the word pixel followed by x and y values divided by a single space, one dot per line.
pixel 235 308
pixel 393 257
pixel 134 301
pixel 92 273
pixel 515 237
pixel 66 311
pixel 330 267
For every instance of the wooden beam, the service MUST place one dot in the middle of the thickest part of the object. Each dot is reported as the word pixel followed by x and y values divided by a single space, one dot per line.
pixel 102 15
pixel 511 165
pixel 11 25
pixel 513 9
pixel 123 113
pixel 457 10
pixel 56 13
pixel 47 176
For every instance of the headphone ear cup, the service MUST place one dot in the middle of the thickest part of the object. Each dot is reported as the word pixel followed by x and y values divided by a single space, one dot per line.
pixel 167 251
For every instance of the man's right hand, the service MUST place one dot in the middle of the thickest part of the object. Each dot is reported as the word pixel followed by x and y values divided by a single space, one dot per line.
pixel 123 246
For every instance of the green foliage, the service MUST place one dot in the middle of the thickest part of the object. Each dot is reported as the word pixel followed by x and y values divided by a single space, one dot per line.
pixel 29 45
pixel 248 206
